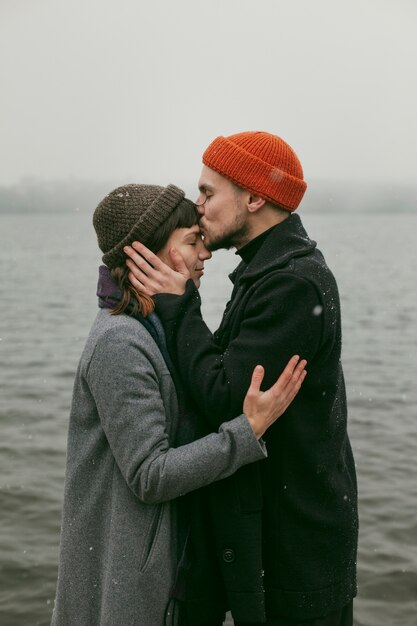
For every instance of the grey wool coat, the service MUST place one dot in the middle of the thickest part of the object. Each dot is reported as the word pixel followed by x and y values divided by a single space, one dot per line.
pixel 118 550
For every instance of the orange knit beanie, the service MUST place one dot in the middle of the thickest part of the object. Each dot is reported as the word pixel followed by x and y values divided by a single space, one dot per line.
pixel 261 163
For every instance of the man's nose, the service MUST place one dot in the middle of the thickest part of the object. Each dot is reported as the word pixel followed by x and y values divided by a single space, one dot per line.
pixel 200 203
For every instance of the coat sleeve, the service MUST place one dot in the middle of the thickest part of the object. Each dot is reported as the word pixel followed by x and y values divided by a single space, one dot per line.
pixel 282 317
pixel 126 391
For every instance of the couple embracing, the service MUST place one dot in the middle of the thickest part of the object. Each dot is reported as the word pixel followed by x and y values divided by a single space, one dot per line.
pixel 185 495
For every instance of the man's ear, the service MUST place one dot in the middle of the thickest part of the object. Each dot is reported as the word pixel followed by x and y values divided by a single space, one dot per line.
pixel 255 203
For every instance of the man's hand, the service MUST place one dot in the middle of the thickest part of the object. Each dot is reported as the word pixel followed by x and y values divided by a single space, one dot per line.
pixel 150 275
pixel 263 408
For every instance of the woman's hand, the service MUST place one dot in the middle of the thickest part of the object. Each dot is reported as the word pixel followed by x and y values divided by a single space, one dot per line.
pixel 263 408
pixel 149 275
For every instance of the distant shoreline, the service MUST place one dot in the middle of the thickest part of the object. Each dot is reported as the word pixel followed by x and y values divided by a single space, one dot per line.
pixel 30 197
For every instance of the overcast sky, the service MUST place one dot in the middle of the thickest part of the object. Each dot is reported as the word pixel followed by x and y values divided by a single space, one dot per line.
pixel 134 90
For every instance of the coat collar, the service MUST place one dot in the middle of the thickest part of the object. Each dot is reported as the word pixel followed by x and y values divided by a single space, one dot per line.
pixel 285 242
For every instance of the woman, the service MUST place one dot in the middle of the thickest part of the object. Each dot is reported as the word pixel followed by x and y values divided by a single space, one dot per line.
pixel 121 538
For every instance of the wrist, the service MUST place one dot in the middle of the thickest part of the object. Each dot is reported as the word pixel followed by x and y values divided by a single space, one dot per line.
pixel 258 430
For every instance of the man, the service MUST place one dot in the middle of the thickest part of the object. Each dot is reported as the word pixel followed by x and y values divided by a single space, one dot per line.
pixel 284 529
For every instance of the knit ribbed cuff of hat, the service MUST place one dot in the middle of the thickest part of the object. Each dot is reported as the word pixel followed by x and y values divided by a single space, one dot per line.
pixel 250 172
pixel 156 213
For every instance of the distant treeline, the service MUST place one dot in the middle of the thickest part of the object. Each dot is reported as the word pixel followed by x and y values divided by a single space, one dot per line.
pixel 63 196
pixel 59 196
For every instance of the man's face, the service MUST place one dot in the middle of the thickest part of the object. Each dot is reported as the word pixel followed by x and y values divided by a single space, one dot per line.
pixel 223 220
pixel 188 242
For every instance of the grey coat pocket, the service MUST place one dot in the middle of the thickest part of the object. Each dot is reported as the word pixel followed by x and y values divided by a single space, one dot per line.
pixel 151 537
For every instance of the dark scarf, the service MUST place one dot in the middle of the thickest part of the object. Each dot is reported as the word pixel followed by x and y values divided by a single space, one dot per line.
pixel 109 296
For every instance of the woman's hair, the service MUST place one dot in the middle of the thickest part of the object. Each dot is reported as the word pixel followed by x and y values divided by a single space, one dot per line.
pixel 184 216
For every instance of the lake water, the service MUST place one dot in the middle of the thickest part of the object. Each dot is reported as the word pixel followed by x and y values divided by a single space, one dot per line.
pixel 48 268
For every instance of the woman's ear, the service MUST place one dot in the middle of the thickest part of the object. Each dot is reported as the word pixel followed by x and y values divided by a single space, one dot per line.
pixel 255 203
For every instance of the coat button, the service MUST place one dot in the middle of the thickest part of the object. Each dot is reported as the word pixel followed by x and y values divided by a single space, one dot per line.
pixel 228 555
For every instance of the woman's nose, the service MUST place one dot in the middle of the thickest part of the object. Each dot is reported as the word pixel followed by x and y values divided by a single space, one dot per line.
pixel 204 254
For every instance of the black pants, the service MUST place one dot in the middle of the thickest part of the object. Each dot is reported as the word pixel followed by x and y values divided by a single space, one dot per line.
pixel 184 621
pixel 342 617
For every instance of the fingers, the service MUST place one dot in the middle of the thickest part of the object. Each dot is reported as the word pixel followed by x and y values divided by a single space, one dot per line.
pixel 256 380
pixel 295 388
pixel 139 268
pixel 264 408
pixel 139 278
pixel 178 261
pixel 148 273
pixel 144 253
pixel 291 372
pixel 299 370
pixel 290 367
pixel 138 284
pixel 135 261
pixel 289 383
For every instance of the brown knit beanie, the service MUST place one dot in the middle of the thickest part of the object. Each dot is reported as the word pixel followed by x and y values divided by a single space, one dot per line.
pixel 132 212
pixel 261 163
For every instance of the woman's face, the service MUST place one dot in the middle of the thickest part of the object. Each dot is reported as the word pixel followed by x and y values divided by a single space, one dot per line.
pixel 188 242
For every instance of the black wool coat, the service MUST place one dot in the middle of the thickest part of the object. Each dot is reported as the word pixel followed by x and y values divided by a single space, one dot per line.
pixel 284 529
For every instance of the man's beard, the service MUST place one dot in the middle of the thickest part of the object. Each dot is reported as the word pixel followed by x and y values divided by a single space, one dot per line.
pixel 225 241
